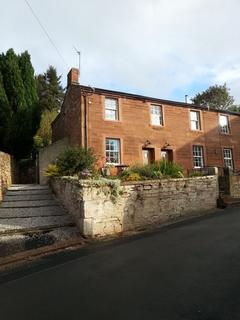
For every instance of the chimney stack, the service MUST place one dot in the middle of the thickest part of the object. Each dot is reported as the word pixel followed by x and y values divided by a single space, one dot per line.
pixel 73 77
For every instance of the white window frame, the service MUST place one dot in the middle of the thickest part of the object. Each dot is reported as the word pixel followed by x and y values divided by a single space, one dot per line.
pixel 228 158
pixel 156 115
pixel 111 110
pixel 113 152
pixel 195 123
pixel 198 156
pixel 224 125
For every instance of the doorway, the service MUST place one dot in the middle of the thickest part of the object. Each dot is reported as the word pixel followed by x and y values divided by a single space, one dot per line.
pixel 148 155
pixel 167 155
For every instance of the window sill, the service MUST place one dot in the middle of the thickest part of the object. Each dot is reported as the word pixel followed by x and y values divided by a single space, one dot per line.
pixel 155 126
pixel 197 131
pixel 225 134
pixel 114 121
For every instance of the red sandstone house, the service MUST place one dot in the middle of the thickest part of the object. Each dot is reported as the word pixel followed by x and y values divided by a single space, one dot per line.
pixel 125 129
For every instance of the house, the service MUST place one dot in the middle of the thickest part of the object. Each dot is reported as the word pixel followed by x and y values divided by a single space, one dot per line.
pixel 125 129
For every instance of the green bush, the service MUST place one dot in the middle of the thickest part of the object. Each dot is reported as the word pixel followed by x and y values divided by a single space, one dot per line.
pixel 76 161
pixel 195 174
pixel 51 171
pixel 156 170
pixel 128 175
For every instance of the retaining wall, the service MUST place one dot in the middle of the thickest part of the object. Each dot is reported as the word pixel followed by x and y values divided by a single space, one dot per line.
pixel 5 172
pixel 102 209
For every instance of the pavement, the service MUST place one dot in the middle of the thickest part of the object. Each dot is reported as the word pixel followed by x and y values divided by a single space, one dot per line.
pixel 187 271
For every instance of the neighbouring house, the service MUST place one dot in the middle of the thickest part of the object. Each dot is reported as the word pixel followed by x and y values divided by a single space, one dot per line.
pixel 125 129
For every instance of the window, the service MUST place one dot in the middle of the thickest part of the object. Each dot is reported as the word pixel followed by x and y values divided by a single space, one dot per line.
pixel 113 151
pixel 198 156
pixel 156 115
pixel 195 120
pixel 224 123
pixel 111 109
pixel 227 156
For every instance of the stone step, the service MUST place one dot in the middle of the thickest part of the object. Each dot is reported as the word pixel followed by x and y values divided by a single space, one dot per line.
pixel 27 192
pixel 26 225
pixel 29 203
pixel 27 187
pixel 27 197
pixel 22 242
pixel 31 212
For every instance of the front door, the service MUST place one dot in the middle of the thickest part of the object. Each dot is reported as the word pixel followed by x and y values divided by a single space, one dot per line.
pixel 148 156
pixel 167 155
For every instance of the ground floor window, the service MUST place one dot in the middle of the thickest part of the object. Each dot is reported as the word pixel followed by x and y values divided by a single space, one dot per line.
pixel 198 160
pixel 227 156
pixel 113 151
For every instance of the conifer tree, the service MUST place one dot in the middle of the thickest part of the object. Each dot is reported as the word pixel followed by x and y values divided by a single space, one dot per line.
pixel 20 104
pixel 5 116
pixel 49 89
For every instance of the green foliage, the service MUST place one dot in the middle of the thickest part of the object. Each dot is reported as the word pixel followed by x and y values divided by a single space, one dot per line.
pixel 131 176
pixel 52 171
pixel 19 111
pixel 29 83
pixel 49 90
pixel 43 136
pixel 217 97
pixel 73 161
pixel 12 79
pixel 156 170
pixel 195 173
pixel 234 108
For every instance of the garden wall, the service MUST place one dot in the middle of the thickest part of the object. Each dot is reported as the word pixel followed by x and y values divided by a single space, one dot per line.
pixel 48 155
pixel 104 208
pixel 5 172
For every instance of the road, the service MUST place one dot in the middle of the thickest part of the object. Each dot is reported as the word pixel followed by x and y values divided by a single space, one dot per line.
pixel 190 271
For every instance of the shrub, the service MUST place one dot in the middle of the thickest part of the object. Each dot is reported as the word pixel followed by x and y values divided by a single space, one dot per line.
pixel 76 161
pixel 156 170
pixel 128 175
pixel 195 174
pixel 51 171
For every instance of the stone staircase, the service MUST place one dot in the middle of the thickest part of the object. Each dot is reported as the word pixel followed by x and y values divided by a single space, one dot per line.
pixel 30 217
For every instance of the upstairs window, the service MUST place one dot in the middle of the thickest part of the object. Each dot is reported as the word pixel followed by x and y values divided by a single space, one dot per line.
pixel 198 157
pixel 156 115
pixel 228 159
pixel 113 151
pixel 111 109
pixel 195 120
pixel 224 123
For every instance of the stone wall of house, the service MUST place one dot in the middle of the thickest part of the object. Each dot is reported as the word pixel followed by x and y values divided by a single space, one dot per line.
pixel 5 172
pixel 48 155
pixel 102 209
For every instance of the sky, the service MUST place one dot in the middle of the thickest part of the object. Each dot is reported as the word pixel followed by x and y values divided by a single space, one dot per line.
pixel 160 48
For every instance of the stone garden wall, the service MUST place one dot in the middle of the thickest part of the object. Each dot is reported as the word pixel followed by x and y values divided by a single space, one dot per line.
pixel 5 172
pixel 48 155
pixel 104 208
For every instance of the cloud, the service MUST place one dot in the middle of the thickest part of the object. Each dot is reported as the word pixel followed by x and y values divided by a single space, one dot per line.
pixel 155 47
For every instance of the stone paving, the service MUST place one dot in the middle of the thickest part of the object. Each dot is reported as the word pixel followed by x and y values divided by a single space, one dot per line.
pixel 30 217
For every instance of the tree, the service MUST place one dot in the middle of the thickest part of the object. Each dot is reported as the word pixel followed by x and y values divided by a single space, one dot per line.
pixel 5 115
pixel 216 97
pixel 49 89
pixel 12 80
pixel 19 104
pixel 43 136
